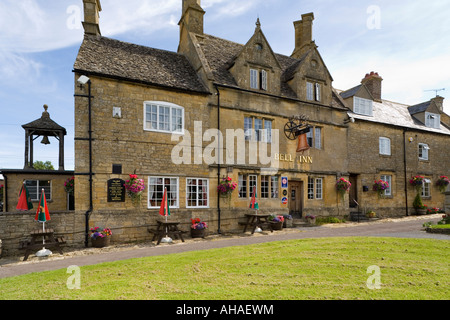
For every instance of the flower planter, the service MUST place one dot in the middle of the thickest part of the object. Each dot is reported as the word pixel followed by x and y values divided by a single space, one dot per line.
pixel 311 221
pixel 421 212
pixel 277 225
pixel 101 242
pixel 197 233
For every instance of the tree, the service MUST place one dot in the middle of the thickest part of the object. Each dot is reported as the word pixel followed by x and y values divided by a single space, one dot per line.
pixel 40 165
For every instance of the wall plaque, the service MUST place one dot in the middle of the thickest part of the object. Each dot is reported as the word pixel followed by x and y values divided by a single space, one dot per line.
pixel 116 190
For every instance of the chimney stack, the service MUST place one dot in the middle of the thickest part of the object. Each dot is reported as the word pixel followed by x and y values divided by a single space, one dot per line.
pixel 192 16
pixel 372 81
pixel 303 34
pixel 92 10
pixel 439 102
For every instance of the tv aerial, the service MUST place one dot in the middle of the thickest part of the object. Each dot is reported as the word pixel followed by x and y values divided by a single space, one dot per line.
pixel 435 90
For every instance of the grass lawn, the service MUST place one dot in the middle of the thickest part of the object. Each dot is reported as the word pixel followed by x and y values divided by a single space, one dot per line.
pixel 328 268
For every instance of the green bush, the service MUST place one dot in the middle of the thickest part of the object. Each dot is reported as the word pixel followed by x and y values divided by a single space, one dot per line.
pixel 324 220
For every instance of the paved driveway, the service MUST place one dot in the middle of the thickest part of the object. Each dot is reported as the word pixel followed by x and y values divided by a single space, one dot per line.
pixel 409 227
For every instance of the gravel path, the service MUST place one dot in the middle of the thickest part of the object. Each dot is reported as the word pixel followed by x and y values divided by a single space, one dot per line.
pixel 407 227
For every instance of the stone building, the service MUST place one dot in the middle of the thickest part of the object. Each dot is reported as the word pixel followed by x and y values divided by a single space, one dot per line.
pixel 186 120
pixel 393 142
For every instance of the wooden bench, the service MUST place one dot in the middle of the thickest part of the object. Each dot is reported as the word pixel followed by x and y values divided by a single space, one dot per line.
pixel 169 228
pixel 34 244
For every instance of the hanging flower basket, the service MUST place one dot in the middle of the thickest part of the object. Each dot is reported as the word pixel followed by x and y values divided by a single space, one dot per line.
pixel 342 186
pixel 226 188
pixel 417 182
pixel 69 185
pixel 380 186
pixel 134 188
pixel 442 183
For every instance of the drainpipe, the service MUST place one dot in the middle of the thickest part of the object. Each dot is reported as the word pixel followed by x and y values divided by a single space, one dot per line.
pixel 87 81
pixel 405 171
pixel 218 158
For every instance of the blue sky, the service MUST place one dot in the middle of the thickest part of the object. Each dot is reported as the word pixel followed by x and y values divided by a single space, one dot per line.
pixel 406 42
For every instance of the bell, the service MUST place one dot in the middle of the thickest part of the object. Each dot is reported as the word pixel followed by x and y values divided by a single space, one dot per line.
pixel 302 143
pixel 45 140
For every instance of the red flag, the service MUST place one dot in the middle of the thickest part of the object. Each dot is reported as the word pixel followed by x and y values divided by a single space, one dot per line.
pixel 253 203
pixel 42 213
pixel 24 200
pixel 164 210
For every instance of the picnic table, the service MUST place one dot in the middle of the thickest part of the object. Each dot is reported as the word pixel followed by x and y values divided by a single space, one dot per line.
pixel 255 220
pixel 166 228
pixel 37 237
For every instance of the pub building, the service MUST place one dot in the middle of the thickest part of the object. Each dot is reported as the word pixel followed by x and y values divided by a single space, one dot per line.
pixel 184 121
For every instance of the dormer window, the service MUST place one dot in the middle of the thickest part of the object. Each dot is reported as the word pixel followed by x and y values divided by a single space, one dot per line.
pixel 258 79
pixel 432 120
pixel 313 91
pixel 363 106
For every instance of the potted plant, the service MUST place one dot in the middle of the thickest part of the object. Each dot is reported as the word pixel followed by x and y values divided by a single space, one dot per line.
pixel 288 221
pixel 418 205
pixel 276 221
pixel 371 214
pixel 310 219
pixel 442 183
pixel 342 186
pixel 134 188
pixel 198 228
pixel 100 237
pixel 379 186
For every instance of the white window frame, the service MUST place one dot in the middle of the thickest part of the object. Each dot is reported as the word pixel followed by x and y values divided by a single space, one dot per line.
pixel 242 184
pixel 385 146
pixel 318 92
pixel 309 91
pixel 432 120
pixel 274 187
pixel 36 190
pixel 315 188
pixel 177 206
pixel 426 188
pixel 159 105
pixel 254 79
pixel 265 187
pixel 318 138
pixel 388 179
pixel 363 106
pixel 197 200
pixel 423 151
pixel 252 179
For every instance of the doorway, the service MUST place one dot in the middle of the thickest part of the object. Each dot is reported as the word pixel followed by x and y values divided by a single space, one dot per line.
pixel 353 193
pixel 296 199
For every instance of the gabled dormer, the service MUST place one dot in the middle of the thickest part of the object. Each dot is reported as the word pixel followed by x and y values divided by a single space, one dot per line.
pixel 429 113
pixel 359 99
pixel 309 77
pixel 256 66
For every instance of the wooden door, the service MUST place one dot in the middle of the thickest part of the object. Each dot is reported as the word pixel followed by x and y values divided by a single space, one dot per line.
pixel 296 198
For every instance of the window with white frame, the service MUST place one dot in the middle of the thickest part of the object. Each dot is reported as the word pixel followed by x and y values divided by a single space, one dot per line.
pixel 314 138
pixel 315 188
pixel 274 187
pixel 423 151
pixel 388 179
pixel 35 187
pixel 257 129
pixel 252 184
pixel 432 120
pixel 156 186
pixel 254 79
pixel 385 146
pixel 263 80
pixel 242 186
pixel 426 188
pixel 313 91
pixel 163 117
pixel 265 187
pixel 197 193
pixel 363 106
